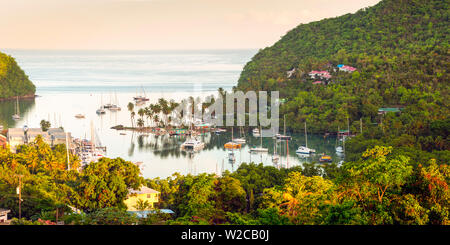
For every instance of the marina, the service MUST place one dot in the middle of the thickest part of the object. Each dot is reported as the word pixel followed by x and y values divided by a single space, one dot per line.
pixel 158 149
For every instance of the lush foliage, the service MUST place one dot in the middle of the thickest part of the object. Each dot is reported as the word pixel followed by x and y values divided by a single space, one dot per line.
pixel 50 191
pixel 13 81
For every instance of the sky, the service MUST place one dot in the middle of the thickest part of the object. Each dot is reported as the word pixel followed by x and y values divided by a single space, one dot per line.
pixel 159 24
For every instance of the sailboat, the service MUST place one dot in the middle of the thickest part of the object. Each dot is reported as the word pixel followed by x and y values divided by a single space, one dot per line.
pixel 101 110
pixel 114 107
pixel 339 149
pixel 232 144
pixel 16 116
pixel 305 149
pixel 283 136
pixel 140 98
pixel 240 140
pixel 259 149
pixel 275 156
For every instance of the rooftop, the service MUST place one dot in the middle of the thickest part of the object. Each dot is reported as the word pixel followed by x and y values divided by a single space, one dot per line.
pixel 143 190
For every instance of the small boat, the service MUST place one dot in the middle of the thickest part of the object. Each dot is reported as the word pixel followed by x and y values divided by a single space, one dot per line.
pixel 303 150
pixel 192 144
pixel 339 149
pixel 283 137
pixel 100 111
pixel 325 158
pixel 232 145
pixel 114 108
pixel 239 140
pixel 220 130
pixel 259 149
pixel 79 116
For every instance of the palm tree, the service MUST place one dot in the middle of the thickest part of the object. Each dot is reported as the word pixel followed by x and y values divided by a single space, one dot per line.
pixel 141 113
pixel 132 118
pixel 140 122
pixel 156 119
pixel 130 107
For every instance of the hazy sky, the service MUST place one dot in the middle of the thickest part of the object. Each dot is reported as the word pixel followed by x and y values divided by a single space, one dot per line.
pixel 159 24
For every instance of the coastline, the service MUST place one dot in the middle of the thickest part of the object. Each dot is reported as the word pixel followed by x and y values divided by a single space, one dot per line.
pixel 28 96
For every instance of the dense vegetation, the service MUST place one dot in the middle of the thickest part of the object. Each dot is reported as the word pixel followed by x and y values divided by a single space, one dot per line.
pixel 380 188
pixel 401 53
pixel 13 80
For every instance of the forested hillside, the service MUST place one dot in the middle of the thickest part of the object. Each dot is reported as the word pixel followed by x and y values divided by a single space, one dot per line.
pixel 13 80
pixel 400 52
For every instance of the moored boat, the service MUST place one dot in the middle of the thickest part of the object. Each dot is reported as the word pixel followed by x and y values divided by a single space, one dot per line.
pixel 325 158
pixel 232 145
pixel 192 144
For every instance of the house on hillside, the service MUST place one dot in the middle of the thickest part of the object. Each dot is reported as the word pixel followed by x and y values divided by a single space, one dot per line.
pixel 383 111
pixel 346 68
pixel 319 74
pixel 143 194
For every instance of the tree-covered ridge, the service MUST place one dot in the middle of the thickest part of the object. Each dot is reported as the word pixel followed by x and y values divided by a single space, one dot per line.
pixel 400 49
pixel 13 80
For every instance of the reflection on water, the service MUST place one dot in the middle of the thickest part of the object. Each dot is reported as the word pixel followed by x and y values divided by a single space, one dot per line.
pixel 8 109
pixel 161 155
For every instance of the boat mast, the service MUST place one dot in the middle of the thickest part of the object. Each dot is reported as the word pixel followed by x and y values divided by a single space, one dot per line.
pixel 306 136
pixel 17 105
pixel 260 134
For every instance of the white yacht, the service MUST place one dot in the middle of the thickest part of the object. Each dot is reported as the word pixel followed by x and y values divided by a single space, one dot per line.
pixel 192 144
pixel 304 150
pixel 239 140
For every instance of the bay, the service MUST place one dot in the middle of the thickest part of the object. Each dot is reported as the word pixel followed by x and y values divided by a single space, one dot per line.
pixel 73 82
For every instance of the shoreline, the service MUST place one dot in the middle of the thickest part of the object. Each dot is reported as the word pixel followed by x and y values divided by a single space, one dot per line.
pixel 28 96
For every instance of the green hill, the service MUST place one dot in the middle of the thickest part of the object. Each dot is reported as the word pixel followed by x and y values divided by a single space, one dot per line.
pixel 399 48
pixel 13 80
pixel 401 54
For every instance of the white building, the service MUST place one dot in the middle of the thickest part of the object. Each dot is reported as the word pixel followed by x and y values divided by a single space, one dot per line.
pixel 20 136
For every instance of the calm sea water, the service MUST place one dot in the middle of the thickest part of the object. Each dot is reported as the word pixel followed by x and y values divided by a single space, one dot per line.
pixel 72 82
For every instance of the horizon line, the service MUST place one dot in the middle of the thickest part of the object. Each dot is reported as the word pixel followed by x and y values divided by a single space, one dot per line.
pixel 101 49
